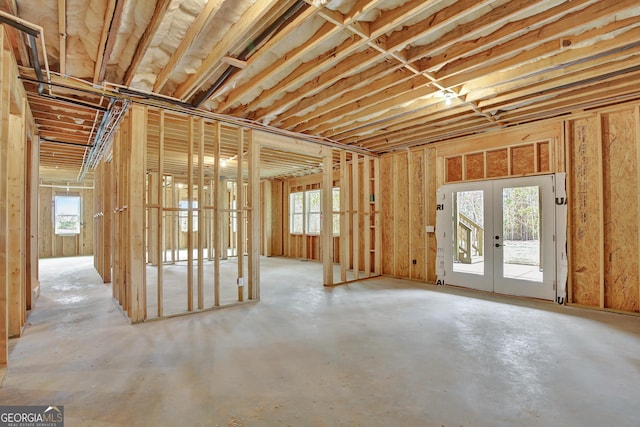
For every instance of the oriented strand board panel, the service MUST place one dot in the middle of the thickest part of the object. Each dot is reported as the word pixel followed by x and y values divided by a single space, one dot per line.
pixel 497 163
pixel 431 212
pixel 543 157
pixel 620 172
pixel 474 166
pixel 403 226
pixel 584 212
pixel 277 218
pixel 387 203
pixel 454 169
pixel 45 242
pixel 517 135
pixel 522 160
pixel 417 214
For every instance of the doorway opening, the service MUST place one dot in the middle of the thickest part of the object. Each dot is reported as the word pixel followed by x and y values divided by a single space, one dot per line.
pixel 500 236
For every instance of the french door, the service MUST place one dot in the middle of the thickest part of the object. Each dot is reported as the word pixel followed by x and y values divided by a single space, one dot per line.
pixel 499 236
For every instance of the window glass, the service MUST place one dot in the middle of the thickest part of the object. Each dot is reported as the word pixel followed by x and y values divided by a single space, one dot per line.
pixel 67 215
pixel 313 211
pixel 183 215
pixel 296 213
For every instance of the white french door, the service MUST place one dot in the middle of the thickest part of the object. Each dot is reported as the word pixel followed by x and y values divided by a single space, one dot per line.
pixel 499 236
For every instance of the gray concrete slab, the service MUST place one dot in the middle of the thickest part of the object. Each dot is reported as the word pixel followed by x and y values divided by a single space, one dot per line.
pixel 380 352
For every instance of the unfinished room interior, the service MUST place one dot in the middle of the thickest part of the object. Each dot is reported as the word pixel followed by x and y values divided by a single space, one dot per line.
pixel 321 213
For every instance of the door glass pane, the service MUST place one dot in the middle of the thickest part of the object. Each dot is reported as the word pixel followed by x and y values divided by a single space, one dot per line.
pixel 468 232
pixel 521 233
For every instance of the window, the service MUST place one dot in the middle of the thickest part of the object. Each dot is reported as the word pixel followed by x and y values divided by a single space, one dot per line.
pixel 313 211
pixel 305 216
pixel 67 215
pixel 184 218
pixel 336 210
pixel 296 213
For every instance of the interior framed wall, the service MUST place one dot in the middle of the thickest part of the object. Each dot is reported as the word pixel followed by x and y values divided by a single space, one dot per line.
pixel 357 248
pixel 188 196
pixel 185 221
pixel 19 159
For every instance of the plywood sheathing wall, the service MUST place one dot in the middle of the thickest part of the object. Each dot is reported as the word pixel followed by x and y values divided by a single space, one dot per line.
pixel 599 151
pixel 404 210
pixel 52 245
pixel 603 206
pixel 620 182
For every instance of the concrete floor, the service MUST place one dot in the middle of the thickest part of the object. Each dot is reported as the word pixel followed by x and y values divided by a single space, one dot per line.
pixel 381 352
pixel 175 294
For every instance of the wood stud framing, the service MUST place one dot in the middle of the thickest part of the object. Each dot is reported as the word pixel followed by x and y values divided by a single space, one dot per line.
pixel 239 212
pixel 600 213
pixel 189 213
pixel 217 223
pixel 326 234
pixel 355 208
pixel 253 247
pixel 18 201
pixel 4 177
pixel 160 239
pixel 148 150
pixel 137 220
pixel 345 222
pixel 359 253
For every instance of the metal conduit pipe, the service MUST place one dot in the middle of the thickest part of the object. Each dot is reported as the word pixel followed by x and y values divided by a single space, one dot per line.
pixel 98 142
pixel 176 105
pixel 65 187
pixel 33 53
pixel 33 32
pixel 272 29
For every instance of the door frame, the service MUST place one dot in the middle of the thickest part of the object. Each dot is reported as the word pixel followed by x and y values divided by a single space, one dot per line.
pixel 491 279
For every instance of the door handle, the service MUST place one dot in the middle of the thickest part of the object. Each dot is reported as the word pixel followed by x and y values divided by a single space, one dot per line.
pixel 498 245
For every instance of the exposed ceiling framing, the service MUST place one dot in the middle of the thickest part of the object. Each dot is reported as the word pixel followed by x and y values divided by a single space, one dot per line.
pixel 380 75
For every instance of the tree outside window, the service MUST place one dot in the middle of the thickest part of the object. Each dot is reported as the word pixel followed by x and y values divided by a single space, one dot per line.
pixel 67 215
pixel 313 211
pixel 305 216
pixel 296 213
pixel 184 215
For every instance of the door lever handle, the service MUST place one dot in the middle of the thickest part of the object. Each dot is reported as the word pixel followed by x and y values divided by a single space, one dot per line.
pixel 498 245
